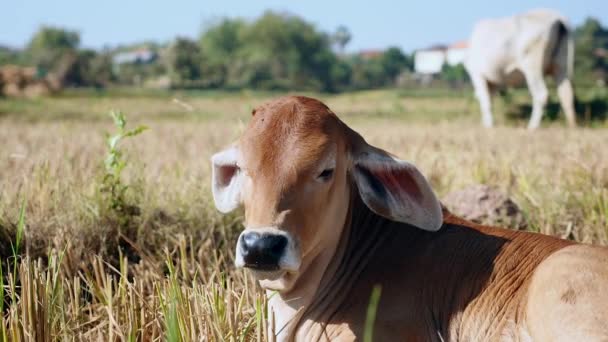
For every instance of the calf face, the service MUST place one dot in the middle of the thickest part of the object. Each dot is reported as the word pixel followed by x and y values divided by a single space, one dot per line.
pixel 294 171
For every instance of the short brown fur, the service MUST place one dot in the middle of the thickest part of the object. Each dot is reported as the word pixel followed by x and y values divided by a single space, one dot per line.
pixel 466 282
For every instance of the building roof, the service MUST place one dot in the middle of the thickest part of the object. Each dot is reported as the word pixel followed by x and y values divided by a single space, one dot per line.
pixel 371 53
pixel 435 47
pixel 462 44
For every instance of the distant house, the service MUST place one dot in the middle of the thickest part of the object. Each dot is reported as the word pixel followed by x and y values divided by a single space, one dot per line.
pixel 138 56
pixel 430 61
pixel 456 53
pixel 370 54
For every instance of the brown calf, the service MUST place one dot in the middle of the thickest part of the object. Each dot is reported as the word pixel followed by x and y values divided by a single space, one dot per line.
pixel 329 217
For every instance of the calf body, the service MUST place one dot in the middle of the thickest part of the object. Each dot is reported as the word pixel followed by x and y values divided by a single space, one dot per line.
pixel 465 282
pixel 328 217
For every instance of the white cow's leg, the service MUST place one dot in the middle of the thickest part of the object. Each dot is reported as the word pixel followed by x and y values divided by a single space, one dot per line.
pixel 538 90
pixel 485 102
pixel 566 98
pixel 562 73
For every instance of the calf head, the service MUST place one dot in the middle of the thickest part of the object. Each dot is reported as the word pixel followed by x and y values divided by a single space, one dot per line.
pixel 294 170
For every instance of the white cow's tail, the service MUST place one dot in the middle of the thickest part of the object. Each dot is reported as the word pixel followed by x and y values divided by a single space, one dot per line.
pixel 565 40
pixel 569 37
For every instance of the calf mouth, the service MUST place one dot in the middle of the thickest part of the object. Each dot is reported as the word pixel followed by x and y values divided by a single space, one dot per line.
pixel 262 267
pixel 270 275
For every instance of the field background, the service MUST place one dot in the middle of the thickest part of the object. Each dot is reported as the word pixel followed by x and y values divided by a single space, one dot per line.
pixel 80 273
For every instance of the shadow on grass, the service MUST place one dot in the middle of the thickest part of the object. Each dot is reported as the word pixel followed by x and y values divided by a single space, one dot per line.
pixel 588 110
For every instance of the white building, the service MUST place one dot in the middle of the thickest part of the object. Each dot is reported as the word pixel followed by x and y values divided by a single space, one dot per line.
pixel 137 56
pixel 456 53
pixel 430 61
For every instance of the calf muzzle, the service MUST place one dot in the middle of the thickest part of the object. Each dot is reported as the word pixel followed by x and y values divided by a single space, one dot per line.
pixel 262 251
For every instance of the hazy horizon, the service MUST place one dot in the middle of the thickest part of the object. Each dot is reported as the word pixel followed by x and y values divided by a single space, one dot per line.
pixel 408 26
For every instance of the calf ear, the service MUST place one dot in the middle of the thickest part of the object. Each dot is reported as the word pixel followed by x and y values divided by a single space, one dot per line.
pixel 226 180
pixel 396 190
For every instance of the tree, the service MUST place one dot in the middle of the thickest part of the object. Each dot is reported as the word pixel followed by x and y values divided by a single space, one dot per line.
pixel 49 45
pixel 394 62
pixel 455 75
pixel 219 45
pixel 184 61
pixel 299 55
pixel 341 37
pixel 367 73
pixel 8 55
pixel 90 69
pixel 276 51
pixel 221 40
pixel 100 69
pixel 341 74
pixel 591 50
pixel 79 74
pixel 376 69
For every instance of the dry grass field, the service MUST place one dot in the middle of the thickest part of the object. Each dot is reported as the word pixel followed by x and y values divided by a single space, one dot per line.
pixel 77 270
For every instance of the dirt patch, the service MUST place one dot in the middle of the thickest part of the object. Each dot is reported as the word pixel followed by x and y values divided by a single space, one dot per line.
pixel 485 204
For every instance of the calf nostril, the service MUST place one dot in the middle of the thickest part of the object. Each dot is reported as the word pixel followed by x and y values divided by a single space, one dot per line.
pixel 249 240
pixel 278 244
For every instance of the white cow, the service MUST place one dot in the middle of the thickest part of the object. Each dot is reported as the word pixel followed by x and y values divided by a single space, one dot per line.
pixel 507 51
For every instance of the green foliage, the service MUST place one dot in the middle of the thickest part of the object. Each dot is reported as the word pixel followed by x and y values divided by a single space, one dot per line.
pixel 455 75
pixel 222 40
pixel 379 71
pixel 18 239
pixel 394 62
pixel 184 61
pixel 135 74
pixel 276 51
pixel 219 45
pixel 98 71
pixel 170 308
pixel 9 56
pixel 112 184
pixel 341 37
pixel 591 49
pixel 49 45
pixel 90 69
pixel 370 317
pixel 367 73
pixel 341 74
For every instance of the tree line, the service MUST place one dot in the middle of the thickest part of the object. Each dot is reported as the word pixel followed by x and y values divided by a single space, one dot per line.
pixel 276 51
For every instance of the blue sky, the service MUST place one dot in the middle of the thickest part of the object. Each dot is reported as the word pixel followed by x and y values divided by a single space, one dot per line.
pixel 374 24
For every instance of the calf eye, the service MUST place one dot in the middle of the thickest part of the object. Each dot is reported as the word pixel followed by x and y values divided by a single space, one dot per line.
pixel 326 174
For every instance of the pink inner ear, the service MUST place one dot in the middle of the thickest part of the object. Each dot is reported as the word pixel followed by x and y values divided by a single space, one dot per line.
pixel 225 174
pixel 398 180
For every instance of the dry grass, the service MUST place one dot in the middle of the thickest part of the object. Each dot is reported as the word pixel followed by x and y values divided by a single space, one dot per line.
pixel 82 276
